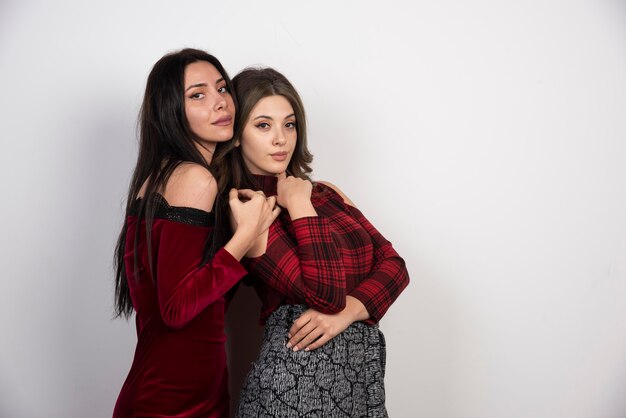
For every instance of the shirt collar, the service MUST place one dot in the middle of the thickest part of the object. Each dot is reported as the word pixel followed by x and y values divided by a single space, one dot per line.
pixel 267 184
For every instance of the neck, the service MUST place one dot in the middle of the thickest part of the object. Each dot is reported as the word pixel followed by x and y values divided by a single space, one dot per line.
pixel 207 149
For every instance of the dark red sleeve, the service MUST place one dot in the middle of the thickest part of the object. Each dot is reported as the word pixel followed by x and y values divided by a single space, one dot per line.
pixel 388 276
pixel 305 265
pixel 184 287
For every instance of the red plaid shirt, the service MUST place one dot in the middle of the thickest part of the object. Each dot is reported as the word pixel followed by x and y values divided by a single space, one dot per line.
pixel 320 260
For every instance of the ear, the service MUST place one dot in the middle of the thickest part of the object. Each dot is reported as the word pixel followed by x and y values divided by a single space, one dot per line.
pixel 237 143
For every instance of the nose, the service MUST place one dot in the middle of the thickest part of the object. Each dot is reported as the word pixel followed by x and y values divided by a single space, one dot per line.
pixel 279 138
pixel 220 102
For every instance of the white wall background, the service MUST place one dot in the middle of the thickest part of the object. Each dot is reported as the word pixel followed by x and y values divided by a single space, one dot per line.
pixel 486 139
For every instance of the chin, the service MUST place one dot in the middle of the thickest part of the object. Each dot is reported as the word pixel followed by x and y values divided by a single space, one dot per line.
pixel 277 169
pixel 223 135
pixel 221 140
pixel 224 138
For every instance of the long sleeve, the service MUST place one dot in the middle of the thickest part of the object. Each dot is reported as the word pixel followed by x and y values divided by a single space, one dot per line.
pixel 302 262
pixel 388 276
pixel 184 287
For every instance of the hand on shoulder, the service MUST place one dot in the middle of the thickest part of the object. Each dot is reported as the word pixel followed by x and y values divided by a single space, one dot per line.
pixel 191 185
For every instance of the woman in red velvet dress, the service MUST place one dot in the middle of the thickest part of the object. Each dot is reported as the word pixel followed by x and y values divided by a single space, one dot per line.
pixel 324 274
pixel 176 259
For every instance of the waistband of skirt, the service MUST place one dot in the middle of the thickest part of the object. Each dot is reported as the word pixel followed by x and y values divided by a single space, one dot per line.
pixel 287 314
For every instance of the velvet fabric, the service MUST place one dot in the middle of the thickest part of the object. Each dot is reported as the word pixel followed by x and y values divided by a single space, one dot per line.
pixel 179 368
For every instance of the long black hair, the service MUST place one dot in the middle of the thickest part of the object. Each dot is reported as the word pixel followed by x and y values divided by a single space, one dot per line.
pixel 165 141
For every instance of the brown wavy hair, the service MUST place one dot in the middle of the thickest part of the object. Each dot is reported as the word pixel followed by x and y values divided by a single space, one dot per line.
pixel 250 86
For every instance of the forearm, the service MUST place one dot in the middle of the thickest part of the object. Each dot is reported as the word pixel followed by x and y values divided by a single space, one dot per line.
pixel 186 286
pixel 302 262
pixel 388 276
pixel 321 266
pixel 239 244
pixel 382 287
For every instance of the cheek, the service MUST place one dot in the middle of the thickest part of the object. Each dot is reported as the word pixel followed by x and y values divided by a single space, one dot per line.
pixel 250 149
pixel 293 138
pixel 250 142
pixel 192 117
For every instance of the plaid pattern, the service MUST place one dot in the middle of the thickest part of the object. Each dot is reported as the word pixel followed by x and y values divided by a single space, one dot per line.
pixel 320 260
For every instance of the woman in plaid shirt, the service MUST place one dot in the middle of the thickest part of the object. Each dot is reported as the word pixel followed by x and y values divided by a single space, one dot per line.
pixel 324 274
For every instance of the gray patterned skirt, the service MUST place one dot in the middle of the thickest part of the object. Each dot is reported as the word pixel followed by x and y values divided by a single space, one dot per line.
pixel 343 378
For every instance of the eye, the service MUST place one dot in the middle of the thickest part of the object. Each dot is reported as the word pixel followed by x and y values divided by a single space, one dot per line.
pixel 223 90
pixel 196 96
pixel 290 125
pixel 263 125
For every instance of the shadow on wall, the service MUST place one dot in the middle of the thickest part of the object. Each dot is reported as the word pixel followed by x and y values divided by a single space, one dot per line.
pixel 244 335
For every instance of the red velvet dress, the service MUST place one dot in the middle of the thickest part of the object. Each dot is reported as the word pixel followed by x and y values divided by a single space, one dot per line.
pixel 179 368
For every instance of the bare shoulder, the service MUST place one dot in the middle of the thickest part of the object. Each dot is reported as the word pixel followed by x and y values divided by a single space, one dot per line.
pixel 191 185
pixel 339 192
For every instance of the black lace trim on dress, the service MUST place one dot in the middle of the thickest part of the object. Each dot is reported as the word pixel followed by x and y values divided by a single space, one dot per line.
pixel 181 214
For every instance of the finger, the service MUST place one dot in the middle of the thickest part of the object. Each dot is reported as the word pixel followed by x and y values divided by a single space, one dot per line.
pixel 309 339
pixel 271 201
pixel 299 323
pixel 303 331
pixel 233 194
pixel 269 220
pixel 282 176
pixel 319 342
pixel 275 213
pixel 247 193
pixel 300 335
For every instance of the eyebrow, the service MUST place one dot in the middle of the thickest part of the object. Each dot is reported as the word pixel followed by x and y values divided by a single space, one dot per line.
pixel 219 80
pixel 271 118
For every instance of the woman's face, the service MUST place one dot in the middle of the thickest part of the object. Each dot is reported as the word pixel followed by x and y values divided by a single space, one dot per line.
pixel 269 136
pixel 209 106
